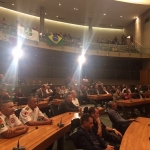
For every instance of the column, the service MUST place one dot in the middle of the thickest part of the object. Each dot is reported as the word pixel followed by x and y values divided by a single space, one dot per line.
pixel 90 30
pixel 42 16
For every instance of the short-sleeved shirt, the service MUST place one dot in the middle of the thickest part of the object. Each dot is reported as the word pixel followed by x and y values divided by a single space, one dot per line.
pixel 6 123
pixel 27 114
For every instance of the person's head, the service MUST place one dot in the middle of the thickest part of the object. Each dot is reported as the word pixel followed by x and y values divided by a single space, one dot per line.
pixel 112 105
pixel 7 107
pixel 74 94
pixel 117 91
pixel 96 86
pixel 3 89
pixel 43 87
pixel 86 122
pixel 18 90
pixel 94 112
pixel 69 97
pixel 32 102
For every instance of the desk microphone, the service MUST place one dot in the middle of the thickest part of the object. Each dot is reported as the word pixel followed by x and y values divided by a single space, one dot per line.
pixel 18 144
pixel 60 124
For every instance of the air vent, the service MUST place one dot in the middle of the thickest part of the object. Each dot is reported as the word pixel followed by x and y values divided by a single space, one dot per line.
pixel 2 2
pixel 147 20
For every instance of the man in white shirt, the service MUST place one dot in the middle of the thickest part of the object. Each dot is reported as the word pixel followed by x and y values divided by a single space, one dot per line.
pixel 74 99
pixel 10 125
pixel 31 114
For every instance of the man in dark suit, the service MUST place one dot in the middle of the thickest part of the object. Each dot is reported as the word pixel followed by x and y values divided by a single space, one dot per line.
pixel 85 138
pixel 68 106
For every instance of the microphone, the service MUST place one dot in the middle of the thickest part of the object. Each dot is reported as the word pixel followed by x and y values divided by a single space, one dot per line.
pixel 60 125
pixel 18 144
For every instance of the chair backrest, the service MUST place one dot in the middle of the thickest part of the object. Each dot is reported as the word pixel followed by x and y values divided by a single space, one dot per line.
pixel 111 119
pixel 54 109
pixel 75 123
pixel 17 112
pixel 22 101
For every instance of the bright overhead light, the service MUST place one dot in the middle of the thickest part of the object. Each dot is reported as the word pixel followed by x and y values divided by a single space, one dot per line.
pixel 75 8
pixel 121 16
pixel 111 25
pixel 81 59
pixel 104 14
pixel 45 13
pixel 17 52
pixel 13 4
pixel 57 16
pixel 59 4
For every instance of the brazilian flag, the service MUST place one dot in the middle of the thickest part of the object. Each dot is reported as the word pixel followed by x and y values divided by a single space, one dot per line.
pixel 53 39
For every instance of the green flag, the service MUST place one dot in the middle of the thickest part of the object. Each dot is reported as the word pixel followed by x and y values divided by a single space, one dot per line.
pixel 56 40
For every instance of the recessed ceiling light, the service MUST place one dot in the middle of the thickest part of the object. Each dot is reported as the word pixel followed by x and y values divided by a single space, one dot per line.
pixel 121 16
pixel 57 16
pixel 111 25
pixel 45 13
pixel 75 8
pixel 13 4
pixel 104 14
pixel 59 4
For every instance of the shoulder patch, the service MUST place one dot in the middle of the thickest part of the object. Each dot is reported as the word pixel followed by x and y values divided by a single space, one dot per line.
pixel 1 126
pixel 12 120
pixel 27 108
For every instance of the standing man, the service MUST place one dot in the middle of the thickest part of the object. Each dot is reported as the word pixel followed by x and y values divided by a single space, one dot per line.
pixel 68 106
pixel 10 125
pixel 31 114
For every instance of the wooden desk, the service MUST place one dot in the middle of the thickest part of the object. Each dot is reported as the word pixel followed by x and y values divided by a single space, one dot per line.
pixel 56 101
pixel 129 105
pixel 137 135
pixel 44 136
pixel 100 99
pixel 134 102
pixel 41 104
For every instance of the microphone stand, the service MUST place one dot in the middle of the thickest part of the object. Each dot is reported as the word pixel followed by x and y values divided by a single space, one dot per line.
pixel 18 144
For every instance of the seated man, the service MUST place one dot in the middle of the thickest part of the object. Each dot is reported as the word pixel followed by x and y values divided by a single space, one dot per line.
pixel 41 93
pixel 119 123
pixel 74 98
pixel 17 93
pixel 31 114
pixel 109 134
pixel 68 106
pixel 10 125
pixel 85 138
pixel 117 95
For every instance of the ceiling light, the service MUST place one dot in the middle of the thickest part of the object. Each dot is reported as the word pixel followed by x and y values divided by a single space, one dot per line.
pixel 104 14
pixel 111 25
pixel 57 16
pixel 59 4
pixel 45 13
pixel 121 16
pixel 13 4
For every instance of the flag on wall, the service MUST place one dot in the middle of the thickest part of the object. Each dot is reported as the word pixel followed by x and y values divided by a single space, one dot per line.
pixel 53 39
pixel 28 33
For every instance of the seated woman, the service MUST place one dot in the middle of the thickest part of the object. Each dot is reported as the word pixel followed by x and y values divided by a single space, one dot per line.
pixel 109 134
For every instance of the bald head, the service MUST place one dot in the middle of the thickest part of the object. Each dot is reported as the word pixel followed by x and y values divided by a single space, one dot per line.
pixel 74 93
